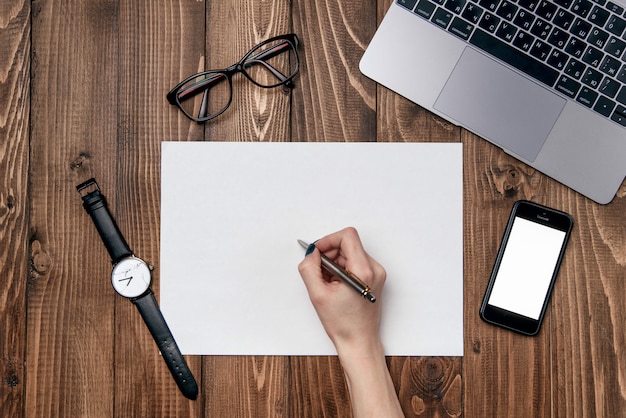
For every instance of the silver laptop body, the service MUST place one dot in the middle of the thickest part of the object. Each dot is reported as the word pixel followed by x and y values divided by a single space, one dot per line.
pixel 448 72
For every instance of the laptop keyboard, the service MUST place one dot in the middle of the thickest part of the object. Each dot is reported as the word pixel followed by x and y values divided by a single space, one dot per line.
pixel 576 47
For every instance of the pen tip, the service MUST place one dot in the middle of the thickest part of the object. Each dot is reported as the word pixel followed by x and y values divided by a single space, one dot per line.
pixel 303 244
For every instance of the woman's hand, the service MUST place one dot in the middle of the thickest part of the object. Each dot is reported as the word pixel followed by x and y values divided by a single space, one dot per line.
pixel 351 322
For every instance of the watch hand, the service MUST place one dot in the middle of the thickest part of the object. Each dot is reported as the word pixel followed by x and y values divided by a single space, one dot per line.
pixel 126 278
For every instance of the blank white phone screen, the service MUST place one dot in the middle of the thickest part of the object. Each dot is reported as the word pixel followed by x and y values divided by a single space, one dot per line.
pixel 526 269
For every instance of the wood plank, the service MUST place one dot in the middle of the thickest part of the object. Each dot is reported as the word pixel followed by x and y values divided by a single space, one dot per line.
pixel 400 120
pixel 427 386
pixel 333 101
pixel 14 233
pixel 318 388
pixel 233 28
pixel 70 341
pixel 157 43
pixel 505 374
pixel 247 386
pixel 588 310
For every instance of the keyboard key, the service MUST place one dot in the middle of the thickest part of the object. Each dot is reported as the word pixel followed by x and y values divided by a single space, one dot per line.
pixel 615 8
pixel 455 6
pixel 615 46
pixel 592 78
pixel 461 28
pixel 580 28
pixel 491 5
pixel 587 96
pixel 524 20
pixel 558 59
pixel 609 87
pixel 558 38
pixel 540 50
pixel 563 19
pixel 507 10
pixel 442 17
pixel 581 7
pixel 567 86
pixel 575 69
pixel 541 29
pixel 564 3
pixel 598 38
pixel 472 13
pixel 409 4
pixel 546 10
pixel 592 56
pixel 622 74
pixel 598 16
pixel 514 57
pixel 615 25
pixel 528 4
pixel 621 96
pixel 610 66
pixel 523 41
pixel 604 106
pixel 489 22
pixel 425 9
pixel 506 32
pixel 575 47
pixel 619 115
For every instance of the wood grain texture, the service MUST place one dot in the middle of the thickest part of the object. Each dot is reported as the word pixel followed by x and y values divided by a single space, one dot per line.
pixel 157 41
pixel 318 388
pixel 15 260
pixel 86 97
pixel 588 311
pixel 256 114
pixel 334 101
pixel 74 117
pixel 505 374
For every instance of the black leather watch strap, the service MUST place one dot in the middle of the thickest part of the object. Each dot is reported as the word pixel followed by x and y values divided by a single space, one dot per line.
pixel 96 206
pixel 153 318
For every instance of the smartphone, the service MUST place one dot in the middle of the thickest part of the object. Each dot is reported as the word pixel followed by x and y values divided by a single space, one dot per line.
pixel 526 267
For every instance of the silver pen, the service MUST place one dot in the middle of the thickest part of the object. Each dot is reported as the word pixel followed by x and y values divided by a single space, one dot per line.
pixel 344 275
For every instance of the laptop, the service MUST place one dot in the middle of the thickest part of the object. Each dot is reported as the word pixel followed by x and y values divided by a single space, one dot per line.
pixel 545 80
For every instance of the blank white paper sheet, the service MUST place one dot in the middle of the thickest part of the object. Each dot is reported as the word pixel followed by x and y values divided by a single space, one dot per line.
pixel 231 213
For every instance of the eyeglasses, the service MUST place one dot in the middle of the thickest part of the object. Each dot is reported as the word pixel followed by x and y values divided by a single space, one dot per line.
pixel 206 95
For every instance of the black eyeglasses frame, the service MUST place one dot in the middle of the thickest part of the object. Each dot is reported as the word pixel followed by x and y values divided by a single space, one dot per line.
pixel 175 96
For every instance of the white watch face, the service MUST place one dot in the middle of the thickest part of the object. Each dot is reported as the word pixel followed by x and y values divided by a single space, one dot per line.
pixel 131 277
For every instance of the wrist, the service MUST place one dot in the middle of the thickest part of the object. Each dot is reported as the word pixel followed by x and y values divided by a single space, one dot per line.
pixel 354 356
pixel 372 391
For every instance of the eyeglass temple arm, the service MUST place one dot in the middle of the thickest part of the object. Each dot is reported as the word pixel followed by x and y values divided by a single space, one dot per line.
pixel 271 52
pixel 198 86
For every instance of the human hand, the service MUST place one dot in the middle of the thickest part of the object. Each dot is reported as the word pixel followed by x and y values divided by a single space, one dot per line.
pixel 351 322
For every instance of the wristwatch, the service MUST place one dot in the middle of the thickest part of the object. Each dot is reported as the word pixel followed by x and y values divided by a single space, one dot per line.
pixel 131 278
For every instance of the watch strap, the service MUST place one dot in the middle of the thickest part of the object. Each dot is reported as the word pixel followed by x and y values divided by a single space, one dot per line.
pixel 164 339
pixel 96 206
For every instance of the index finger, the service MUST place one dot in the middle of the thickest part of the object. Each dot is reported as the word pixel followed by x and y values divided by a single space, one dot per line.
pixel 346 244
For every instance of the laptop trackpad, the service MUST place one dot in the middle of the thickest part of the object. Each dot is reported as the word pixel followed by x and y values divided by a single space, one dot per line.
pixel 499 104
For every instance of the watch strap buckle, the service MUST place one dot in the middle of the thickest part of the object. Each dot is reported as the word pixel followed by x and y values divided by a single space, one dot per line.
pixel 86 188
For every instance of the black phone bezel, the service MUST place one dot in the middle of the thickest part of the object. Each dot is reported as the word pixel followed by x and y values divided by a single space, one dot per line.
pixel 542 215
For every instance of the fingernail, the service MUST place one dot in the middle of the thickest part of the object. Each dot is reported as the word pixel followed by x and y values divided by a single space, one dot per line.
pixel 310 249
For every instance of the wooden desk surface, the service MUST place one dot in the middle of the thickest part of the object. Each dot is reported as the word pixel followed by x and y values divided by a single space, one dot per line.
pixel 83 94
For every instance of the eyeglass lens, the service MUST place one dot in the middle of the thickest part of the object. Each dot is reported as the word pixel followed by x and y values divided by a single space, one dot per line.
pixel 209 94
